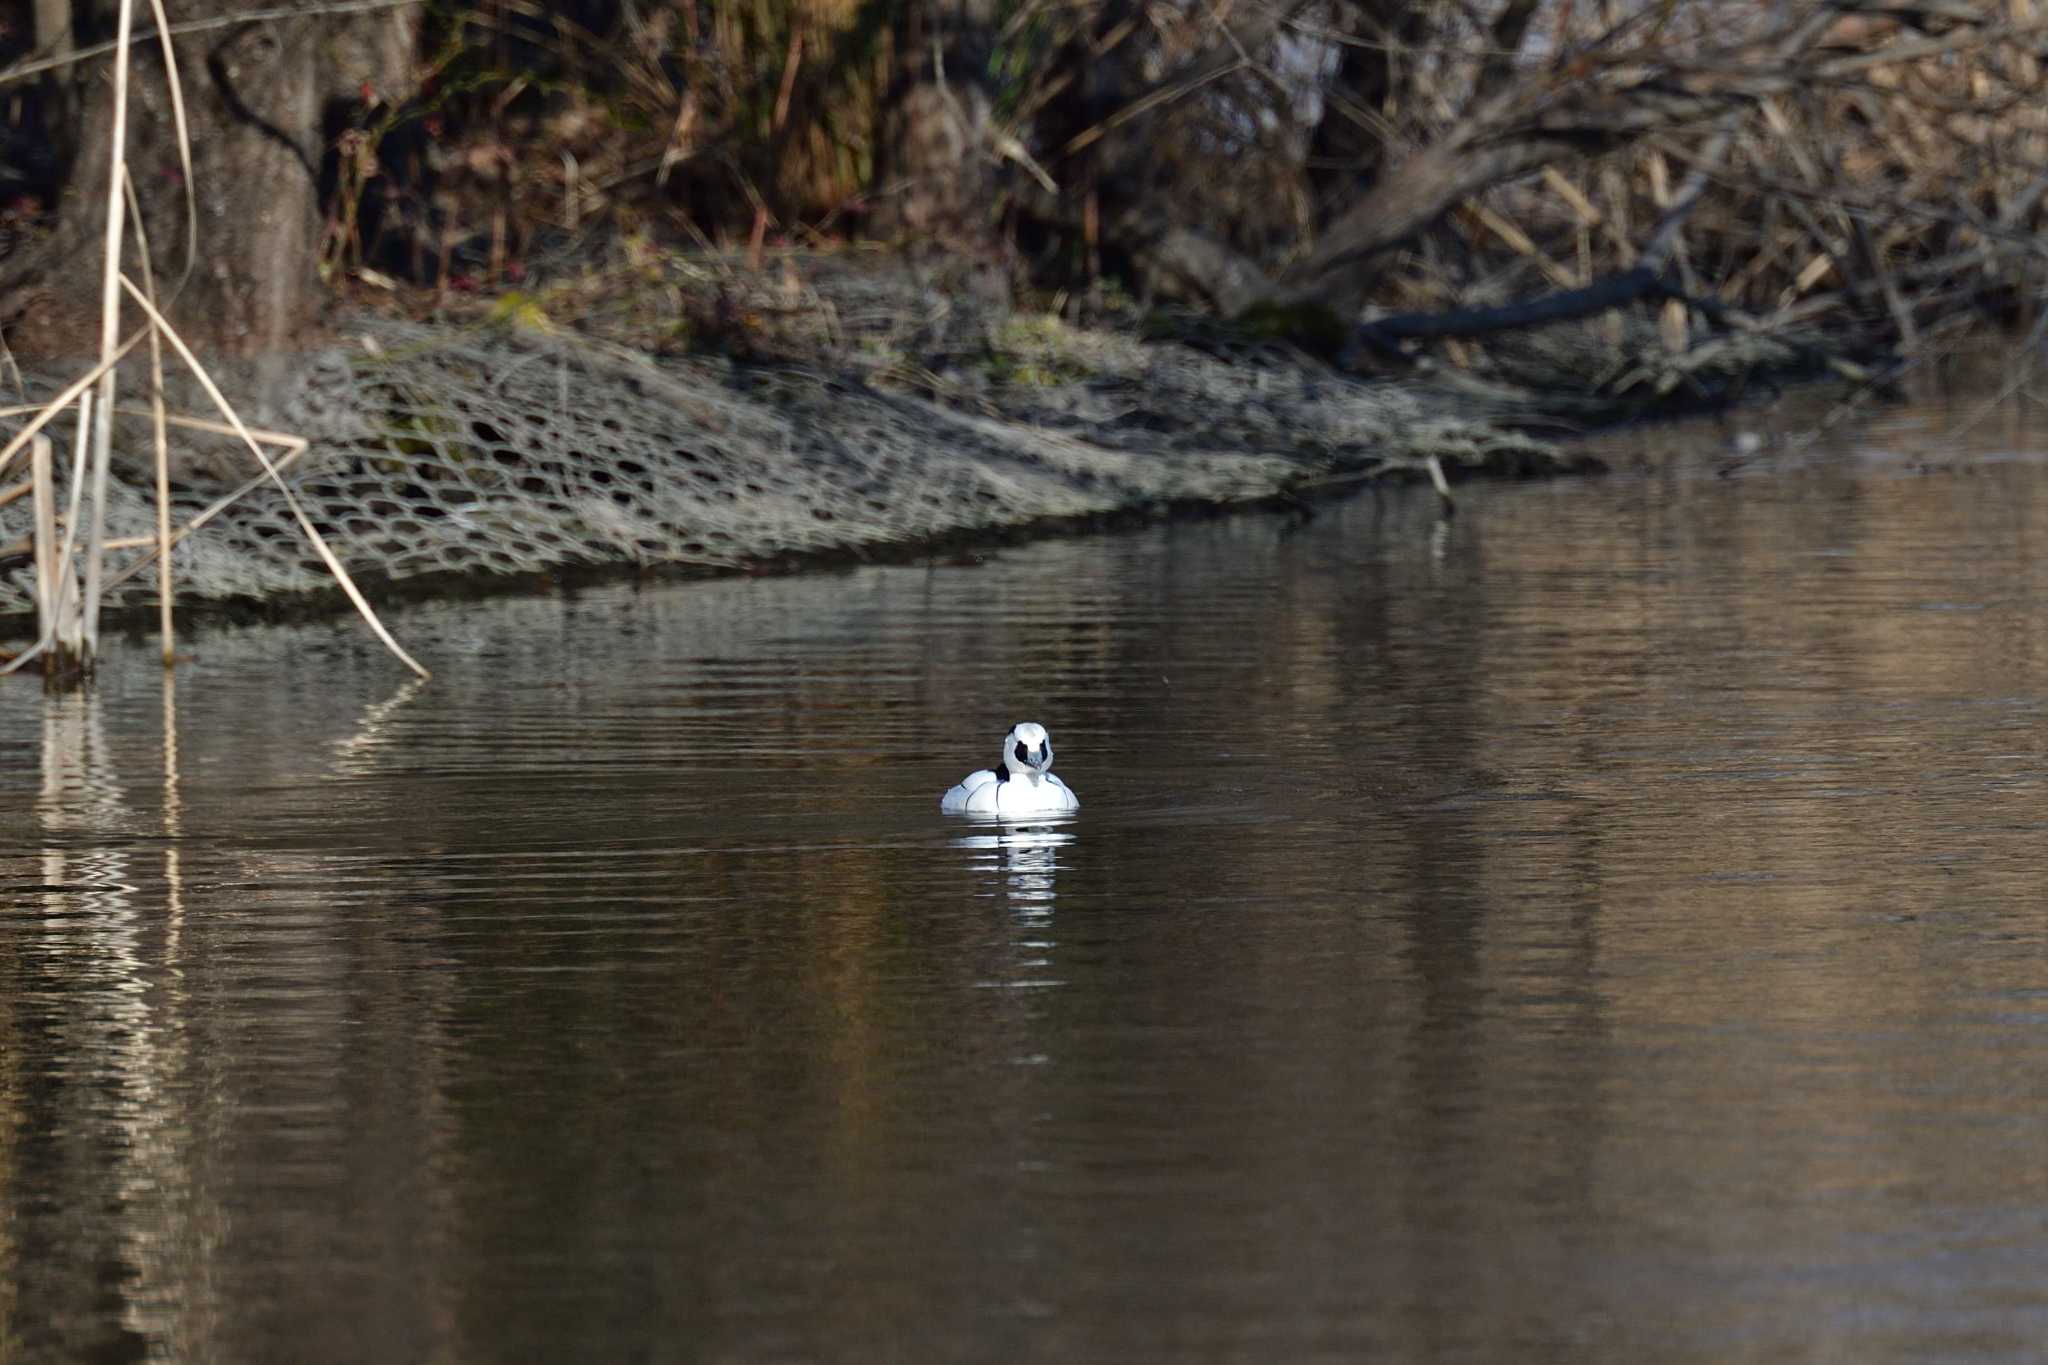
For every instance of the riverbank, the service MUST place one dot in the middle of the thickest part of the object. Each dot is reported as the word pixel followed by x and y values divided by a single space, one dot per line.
pixel 687 416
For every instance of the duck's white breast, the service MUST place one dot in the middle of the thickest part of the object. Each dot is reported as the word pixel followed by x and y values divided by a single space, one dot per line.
pixel 1054 794
pixel 979 793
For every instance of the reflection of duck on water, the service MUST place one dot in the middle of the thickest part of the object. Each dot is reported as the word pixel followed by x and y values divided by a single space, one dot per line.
pixel 1025 858
pixel 1020 785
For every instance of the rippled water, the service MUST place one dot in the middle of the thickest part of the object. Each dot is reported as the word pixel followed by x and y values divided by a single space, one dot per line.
pixel 1608 926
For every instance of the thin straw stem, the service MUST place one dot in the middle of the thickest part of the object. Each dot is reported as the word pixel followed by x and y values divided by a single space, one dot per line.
pixel 220 504
pixel 274 438
pixel 110 335
pixel 184 131
pixel 164 588
pixel 327 556
pixel 241 18
pixel 159 429
pixel 45 543
pixel 49 411
pixel 67 623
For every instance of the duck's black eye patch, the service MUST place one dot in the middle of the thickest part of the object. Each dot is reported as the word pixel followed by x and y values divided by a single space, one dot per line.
pixel 1023 754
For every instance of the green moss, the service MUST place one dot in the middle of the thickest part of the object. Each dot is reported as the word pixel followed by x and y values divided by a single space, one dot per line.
pixel 521 310
pixel 1036 351
pixel 1311 326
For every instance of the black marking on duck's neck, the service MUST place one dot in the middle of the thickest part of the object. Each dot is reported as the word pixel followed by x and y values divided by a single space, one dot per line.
pixel 1002 772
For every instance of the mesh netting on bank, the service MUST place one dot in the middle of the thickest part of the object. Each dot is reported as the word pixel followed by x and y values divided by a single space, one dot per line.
pixel 502 450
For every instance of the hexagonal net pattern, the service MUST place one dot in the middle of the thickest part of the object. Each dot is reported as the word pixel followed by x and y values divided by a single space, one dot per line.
pixel 501 450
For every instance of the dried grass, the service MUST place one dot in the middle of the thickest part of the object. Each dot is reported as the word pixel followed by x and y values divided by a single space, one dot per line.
pixel 1895 188
pixel 70 550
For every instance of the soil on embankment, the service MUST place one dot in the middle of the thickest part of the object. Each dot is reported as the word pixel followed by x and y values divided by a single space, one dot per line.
pixel 688 416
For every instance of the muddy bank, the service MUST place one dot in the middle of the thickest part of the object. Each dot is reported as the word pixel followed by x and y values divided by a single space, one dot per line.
pixel 802 420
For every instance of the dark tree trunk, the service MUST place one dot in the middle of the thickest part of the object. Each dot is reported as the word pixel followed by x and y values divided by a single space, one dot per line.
pixel 257 98
pixel 1346 150
pixel 1097 136
pixel 934 166
pixel 53 39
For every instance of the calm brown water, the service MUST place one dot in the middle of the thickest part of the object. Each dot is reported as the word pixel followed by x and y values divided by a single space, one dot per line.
pixel 1610 927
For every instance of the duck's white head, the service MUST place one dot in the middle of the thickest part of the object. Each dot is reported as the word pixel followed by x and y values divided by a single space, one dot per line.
pixel 1027 751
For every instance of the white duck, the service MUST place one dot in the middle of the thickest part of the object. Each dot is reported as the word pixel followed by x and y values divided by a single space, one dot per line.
pixel 1021 783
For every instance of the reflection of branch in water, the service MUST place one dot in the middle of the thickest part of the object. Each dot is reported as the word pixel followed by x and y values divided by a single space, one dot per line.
pixel 353 755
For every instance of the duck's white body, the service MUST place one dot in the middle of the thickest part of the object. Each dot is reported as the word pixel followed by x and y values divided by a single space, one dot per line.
pixel 1020 785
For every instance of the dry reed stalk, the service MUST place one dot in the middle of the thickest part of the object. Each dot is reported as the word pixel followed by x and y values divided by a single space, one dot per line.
pixel 263 434
pixel 45 537
pixel 1522 245
pixel 159 429
pixel 71 622
pixel 66 636
pixel 49 411
pixel 59 627
pixel 110 336
pixel 164 588
pixel 12 369
pixel 295 446
pixel 319 543
pixel 791 64
pixel 1574 198
pixel 679 145
pixel 184 140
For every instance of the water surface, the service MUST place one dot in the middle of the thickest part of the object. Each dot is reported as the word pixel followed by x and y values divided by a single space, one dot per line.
pixel 1606 926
